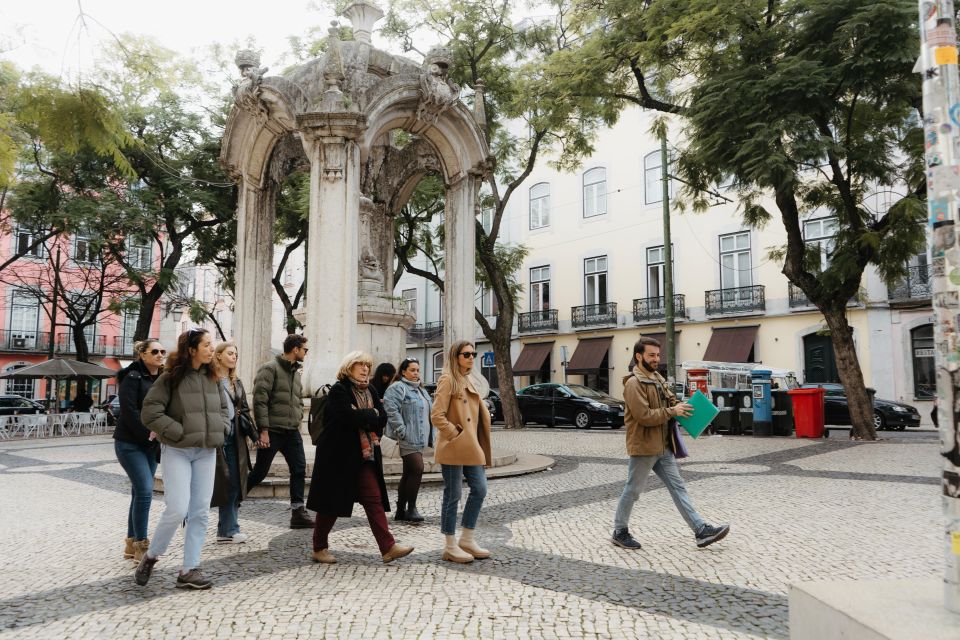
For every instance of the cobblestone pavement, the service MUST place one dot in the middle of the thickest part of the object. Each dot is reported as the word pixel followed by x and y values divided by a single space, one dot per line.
pixel 800 510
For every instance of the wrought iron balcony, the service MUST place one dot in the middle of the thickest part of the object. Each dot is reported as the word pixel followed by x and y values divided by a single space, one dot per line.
pixel 545 320
pixel 915 287
pixel 735 300
pixel 653 309
pixel 594 315
pixel 429 333
pixel 24 341
pixel 99 346
pixel 797 297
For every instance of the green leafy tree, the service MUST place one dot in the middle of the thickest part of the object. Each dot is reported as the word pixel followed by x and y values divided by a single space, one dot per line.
pixel 810 105
pixel 521 128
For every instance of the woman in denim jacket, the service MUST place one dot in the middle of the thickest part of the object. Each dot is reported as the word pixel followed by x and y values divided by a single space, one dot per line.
pixel 408 422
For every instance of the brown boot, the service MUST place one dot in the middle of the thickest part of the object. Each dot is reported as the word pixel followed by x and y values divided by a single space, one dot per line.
pixel 300 519
pixel 140 549
pixel 128 548
pixel 323 556
pixel 396 551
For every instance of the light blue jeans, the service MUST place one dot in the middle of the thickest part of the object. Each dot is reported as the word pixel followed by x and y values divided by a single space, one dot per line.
pixel 187 489
pixel 665 466
pixel 453 476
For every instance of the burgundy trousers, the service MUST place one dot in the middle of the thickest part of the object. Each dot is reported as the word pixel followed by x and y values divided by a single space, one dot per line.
pixel 369 498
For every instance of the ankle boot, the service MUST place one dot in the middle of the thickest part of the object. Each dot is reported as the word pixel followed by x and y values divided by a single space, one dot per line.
pixel 467 544
pixel 453 553
pixel 128 548
pixel 401 513
pixel 140 549
pixel 412 514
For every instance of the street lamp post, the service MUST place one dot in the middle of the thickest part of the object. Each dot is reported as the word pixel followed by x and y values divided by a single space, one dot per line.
pixel 941 127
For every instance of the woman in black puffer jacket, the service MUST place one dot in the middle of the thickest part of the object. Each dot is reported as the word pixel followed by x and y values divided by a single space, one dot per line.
pixel 137 449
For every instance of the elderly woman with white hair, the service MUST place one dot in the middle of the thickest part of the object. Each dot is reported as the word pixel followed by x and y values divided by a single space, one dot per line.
pixel 348 467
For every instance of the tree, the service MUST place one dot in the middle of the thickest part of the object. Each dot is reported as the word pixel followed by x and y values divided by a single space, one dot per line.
pixel 489 53
pixel 807 104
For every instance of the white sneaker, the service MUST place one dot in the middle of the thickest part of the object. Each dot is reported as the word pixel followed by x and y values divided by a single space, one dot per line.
pixel 237 538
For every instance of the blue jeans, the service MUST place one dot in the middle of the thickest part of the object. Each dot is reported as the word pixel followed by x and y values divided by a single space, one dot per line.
pixel 187 488
pixel 229 522
pixel 665 466
pixel 453 476
pixel 140 463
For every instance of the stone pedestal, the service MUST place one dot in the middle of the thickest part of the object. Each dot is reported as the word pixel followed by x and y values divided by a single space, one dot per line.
pixel 382 325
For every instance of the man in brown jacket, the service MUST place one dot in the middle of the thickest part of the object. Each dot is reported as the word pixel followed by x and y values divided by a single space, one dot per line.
pixel 650 406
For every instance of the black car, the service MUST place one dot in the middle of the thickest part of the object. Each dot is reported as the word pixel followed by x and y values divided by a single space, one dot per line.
pixel 887 414
pixel 552 404
pixel 11 405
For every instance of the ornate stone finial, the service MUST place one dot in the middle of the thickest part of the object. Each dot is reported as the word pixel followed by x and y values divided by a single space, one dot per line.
pixel 333 69
pixel 247 58
pixel 441 56
pixel 362 16
pixel 479 110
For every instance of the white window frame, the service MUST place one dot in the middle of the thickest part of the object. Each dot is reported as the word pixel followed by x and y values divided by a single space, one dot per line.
pixel 128 327
pixel 821 233
pixel 409 297
pixel 139 256
pixel 39 252
pixel 595 279
pixel 82 249
pixel 437 365
pixel 653 178
pixel 486 219
pixel 594 192
pixel 656 257
pixel 19 325
pixel 25 387
pixel 734 276
pixel 540 288
pixel 539 205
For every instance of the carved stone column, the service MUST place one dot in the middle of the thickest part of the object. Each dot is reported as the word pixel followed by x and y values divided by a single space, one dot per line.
pixel 252 321
pixel 460 243
pixel 331 143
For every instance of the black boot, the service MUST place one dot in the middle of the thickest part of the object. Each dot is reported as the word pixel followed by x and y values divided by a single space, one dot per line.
pixel 400 514
pixel 413 515
pixel 300 519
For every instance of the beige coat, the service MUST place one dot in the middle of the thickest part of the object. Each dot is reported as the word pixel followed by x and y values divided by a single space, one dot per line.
pixel 470 444
pixel 646 413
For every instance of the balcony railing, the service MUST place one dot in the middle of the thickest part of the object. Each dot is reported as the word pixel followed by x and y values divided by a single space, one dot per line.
pixel 99 346
pixel 545 320
pixel 735 300
pixel 653 310
pixel 797 297
pixel 594 315
pixel 428 333
pixel 916 286
pixel 25 341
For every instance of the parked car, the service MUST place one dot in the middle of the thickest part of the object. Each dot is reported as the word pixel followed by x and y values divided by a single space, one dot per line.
pixel 887 414
pixel 493 405
pixel 112 408
pixel 11 404
pixel 575 404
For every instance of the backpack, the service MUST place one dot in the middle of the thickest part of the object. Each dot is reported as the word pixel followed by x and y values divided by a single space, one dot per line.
pixel 315 421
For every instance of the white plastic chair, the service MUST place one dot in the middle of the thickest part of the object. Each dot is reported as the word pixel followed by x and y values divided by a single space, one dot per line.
pixel 58 423
pixel 83 422
pixel 100 422
pixel 5 430
pixel 34 425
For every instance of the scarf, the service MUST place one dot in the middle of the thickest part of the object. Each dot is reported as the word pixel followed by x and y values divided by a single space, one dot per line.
pixel 364 400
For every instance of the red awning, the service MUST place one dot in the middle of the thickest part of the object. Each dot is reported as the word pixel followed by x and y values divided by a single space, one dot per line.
pixel 589 355
pixel 732 344
pixel 531 359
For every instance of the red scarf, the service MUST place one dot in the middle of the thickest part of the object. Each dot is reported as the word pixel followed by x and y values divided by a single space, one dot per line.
pixel 368 439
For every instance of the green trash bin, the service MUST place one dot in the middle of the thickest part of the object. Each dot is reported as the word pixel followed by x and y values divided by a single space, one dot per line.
pixel 782 414
pixel 728 420
pixel 744 403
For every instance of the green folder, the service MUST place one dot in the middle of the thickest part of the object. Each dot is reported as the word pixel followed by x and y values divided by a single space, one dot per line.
pixel 703 414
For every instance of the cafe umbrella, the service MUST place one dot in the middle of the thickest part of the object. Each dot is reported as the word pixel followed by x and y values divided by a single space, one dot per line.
pixel 60 369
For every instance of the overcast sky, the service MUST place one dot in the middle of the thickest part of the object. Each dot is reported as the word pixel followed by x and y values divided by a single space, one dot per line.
pixel 48 34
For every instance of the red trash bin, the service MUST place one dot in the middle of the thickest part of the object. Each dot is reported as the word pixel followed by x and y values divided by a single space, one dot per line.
pixel 697 379
pixel 807 412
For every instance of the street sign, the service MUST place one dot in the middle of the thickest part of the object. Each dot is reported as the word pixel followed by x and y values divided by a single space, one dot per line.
pixel 486 360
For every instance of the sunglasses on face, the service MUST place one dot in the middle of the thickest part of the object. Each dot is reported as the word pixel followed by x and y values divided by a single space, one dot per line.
pixel 468 354
pixel 162 352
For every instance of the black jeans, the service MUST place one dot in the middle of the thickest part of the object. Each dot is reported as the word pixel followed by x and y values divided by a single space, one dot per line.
pixel 290 445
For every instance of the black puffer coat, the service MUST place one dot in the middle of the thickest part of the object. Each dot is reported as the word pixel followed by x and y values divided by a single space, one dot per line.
pixel 135 381
pixel 335 484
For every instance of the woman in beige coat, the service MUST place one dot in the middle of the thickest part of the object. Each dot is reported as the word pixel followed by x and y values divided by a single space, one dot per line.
pixel 463 449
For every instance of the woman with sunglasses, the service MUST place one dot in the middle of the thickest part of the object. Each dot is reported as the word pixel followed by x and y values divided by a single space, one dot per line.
pixel 463 449
pixel 136 447
pixel 188 412
pixel 408 422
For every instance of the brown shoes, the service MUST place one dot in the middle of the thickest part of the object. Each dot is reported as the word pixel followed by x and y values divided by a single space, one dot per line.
pixel 128 548
pixel 396 551
pixel 300 519
pixel 140 549
pixel 323 556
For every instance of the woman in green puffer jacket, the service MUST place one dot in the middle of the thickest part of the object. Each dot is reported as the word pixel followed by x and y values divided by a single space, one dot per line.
pixel 187 410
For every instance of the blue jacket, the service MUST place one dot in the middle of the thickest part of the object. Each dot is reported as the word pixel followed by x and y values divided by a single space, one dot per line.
pixel 406 421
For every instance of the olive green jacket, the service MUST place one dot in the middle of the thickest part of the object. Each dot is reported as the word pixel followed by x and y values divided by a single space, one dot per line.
pixel 277 396
pixel 192 415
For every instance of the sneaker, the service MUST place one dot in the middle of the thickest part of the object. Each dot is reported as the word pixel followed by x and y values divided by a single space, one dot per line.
pixel 144 569
pixel 709 534
pixel 193 579
pixel 237 538
pixel 622 538
pixel 300 519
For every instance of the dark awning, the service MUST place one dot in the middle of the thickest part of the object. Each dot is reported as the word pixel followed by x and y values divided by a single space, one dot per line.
pixel 731 344
pixel 531 359
pixel 589 355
